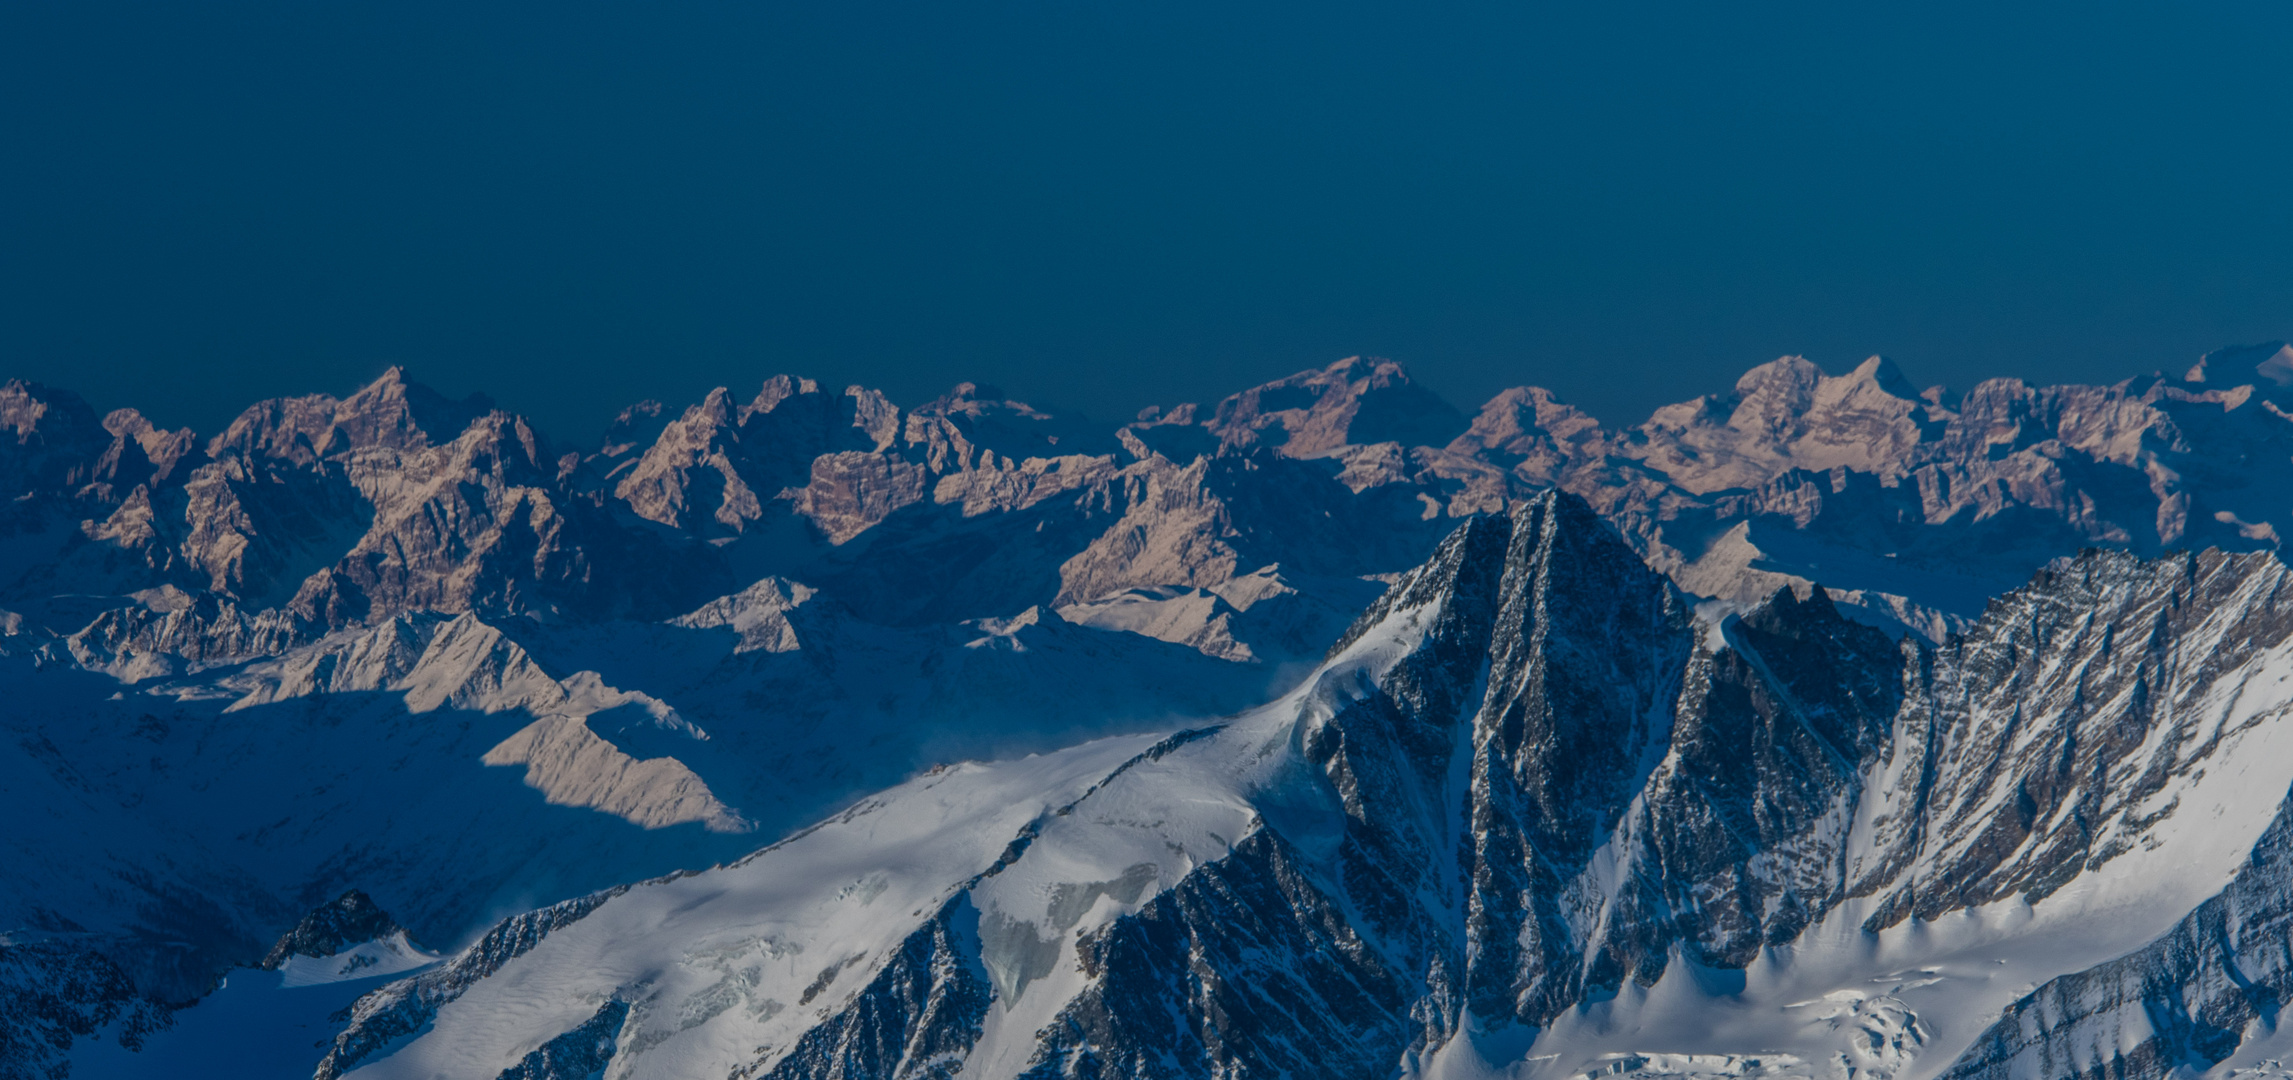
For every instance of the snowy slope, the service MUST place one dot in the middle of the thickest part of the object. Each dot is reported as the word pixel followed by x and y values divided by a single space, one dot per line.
pixel 460 772
pixel 712 970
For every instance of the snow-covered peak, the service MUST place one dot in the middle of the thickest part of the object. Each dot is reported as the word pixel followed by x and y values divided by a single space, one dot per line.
pixel 1462 843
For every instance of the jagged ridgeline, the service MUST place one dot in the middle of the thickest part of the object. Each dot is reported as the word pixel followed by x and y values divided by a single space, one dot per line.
pixel 306 515
pixel 1537 808
pixel 1589 768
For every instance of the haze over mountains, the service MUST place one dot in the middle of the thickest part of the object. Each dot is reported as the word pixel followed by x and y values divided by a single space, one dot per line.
pixel 1371 735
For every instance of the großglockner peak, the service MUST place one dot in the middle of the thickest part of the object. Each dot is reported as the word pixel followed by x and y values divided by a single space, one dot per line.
pixel 483 674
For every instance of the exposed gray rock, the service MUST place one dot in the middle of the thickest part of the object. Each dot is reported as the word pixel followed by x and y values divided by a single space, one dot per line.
pixel 52 994
pixel 2180 1005
pixel 403 1007
pixel 351 919
pixel 579 1054
pixel 914 1020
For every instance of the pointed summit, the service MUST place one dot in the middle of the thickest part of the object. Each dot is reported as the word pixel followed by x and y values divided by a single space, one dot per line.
pixel 392 411
pixel 49 438
pixel 1787 414
pixel 397 412
pixel 2277 366
pixel 1882 373
pixel 775 390
pixel 32 413
pixel 970 417
pixel 717 407
pixel 1357 401
pixel 352 919
pixel 1785 378
pixel 693 472
pixel 715 470
pixel 1534 434
pixel 2270 360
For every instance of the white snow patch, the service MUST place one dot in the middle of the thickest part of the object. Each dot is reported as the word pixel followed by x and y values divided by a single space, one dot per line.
pixel 383 956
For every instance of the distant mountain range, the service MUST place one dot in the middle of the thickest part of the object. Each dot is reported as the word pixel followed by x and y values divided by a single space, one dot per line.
pixel 1368 737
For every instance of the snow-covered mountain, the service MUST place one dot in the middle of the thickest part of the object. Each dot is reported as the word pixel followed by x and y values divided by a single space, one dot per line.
pixel 1585 791
pixel 1538 810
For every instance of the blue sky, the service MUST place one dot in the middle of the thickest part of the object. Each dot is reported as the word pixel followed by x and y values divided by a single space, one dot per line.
pixel 1109 205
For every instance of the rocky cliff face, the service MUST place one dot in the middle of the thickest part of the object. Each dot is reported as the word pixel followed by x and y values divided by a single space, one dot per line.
pixel 352 919
pixel 2184 1004
pixel 1915 506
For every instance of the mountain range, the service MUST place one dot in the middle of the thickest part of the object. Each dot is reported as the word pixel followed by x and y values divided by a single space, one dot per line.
pixel 1822 727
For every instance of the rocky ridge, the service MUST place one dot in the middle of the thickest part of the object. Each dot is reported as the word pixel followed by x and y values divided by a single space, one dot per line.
pixel 351 919
pixel 317 513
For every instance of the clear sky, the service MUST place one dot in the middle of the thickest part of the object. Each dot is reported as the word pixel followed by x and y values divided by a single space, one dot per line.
pixel 1104 205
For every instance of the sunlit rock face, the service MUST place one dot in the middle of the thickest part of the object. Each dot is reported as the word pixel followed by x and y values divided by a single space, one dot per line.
pixel 1916 506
